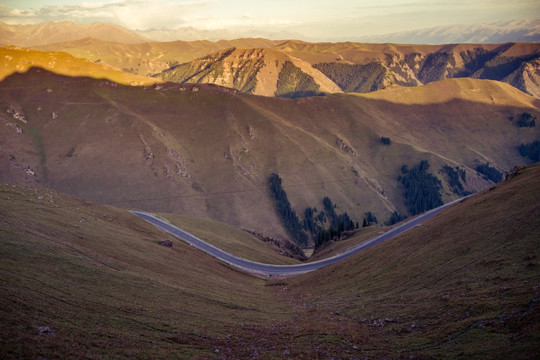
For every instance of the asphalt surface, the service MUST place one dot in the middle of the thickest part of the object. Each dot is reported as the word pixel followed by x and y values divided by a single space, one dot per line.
pixel 273 270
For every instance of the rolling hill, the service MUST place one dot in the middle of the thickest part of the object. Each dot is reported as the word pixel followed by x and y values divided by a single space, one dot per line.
pixel 18 60
pixel 208 151
pixel 148 58
pixel 254 65
pixel 82 280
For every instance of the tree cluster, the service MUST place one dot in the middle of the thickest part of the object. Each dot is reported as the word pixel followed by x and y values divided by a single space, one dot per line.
pixel 338 224
pixel 294 83
pixel 530 150
pixel 360 78
pixel 286 212
pixel 395 218
pixel 453 175
pixel 489 172
pixel 422 190
pixel 386 140
pixel 313 224
pixel 370 219
pixel 525 120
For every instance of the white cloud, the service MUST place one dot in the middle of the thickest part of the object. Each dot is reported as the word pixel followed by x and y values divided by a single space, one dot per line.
pixel 315 17
pixel 128 13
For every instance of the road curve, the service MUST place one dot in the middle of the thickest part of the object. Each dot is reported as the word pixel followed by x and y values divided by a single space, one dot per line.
pixel 269 269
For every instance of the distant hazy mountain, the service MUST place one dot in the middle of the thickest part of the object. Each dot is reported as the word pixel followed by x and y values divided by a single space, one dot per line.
pixel 191 34
pixel 496 32
pixel 54 32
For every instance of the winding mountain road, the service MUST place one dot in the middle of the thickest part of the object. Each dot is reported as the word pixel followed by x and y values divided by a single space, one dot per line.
pixel 269 269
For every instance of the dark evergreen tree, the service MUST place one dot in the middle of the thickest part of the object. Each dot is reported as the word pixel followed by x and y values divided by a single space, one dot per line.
pixel 526 120
pixel 395 218
pixel 371 218
pixel 489 172
pixel 422 190
pixel 453 176
pixel 386 140
pixel 284 209
pixel 531 150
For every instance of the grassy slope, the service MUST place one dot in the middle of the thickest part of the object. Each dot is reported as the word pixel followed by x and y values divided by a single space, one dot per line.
pixel 20 60
pixel 463 285
pixel 167 144
pixel 151 57
pixel 97 278
pixel 231 239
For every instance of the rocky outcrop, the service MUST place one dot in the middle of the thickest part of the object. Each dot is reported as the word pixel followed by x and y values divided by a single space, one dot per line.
pixel 345 147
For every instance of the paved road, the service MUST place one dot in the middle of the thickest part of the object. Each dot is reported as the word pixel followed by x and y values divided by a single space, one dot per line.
pixel 269 269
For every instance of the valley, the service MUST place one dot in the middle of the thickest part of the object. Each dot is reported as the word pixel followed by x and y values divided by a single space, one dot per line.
pixel 87 280
pixel 282 156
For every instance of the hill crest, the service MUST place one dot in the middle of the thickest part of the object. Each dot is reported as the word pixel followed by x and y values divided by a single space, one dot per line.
pixel 159 148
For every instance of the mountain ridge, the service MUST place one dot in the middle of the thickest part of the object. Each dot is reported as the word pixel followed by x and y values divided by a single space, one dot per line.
pixel 160 147
pixel 355 67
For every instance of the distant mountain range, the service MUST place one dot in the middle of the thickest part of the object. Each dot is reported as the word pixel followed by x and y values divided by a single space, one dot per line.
pixel 298 69
pixel 54 32
pixel 489 33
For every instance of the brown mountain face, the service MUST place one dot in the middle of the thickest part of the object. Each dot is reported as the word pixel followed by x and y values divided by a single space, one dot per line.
pixel 257 71
pixel 353 67
pixel 254 65
pixel 148 58
pixel 208 151
pixel 54 32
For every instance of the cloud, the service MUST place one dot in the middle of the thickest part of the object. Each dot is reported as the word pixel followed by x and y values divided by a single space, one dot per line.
pixel 243 21
pixel 129 13
pixel 146 14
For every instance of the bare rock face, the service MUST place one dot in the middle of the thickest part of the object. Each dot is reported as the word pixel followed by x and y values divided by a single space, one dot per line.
pixel 165 242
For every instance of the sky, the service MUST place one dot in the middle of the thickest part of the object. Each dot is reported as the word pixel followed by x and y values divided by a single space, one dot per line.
pixel 312 18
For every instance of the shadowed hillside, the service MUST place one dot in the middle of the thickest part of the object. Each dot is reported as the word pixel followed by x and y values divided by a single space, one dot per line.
pixel 81 280
pixel 209 151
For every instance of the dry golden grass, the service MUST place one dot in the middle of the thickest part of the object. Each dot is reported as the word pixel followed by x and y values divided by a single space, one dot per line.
pixel 17 60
